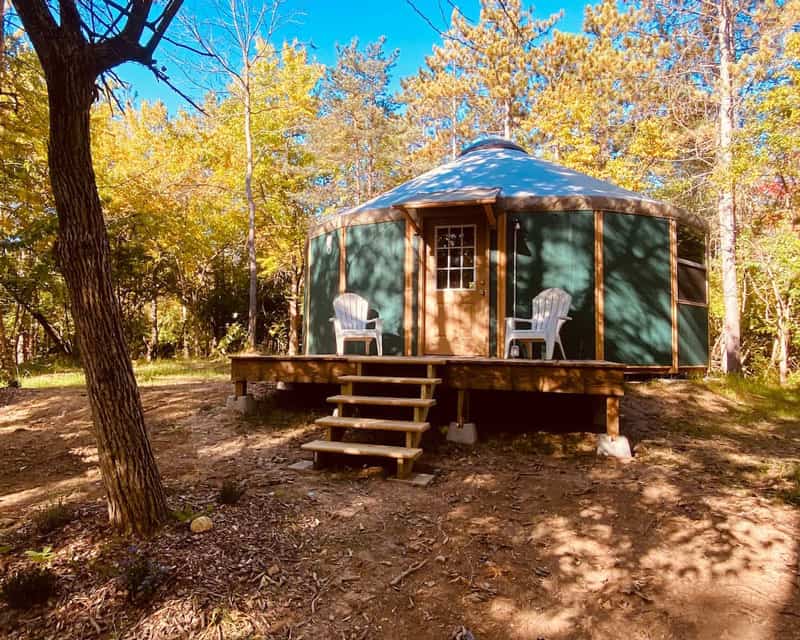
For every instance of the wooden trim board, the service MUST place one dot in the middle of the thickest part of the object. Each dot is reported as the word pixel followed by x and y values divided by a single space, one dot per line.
pixel 408 293
pixel 343 260
pixel 599 289
pixel 673 281
pixel 306 296
pixel 502 262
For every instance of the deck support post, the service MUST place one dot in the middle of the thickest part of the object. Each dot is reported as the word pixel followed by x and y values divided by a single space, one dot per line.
pixel 240 388
pixel 462 408
pixel 462 431
pixel 241 401
pixel 606 415
pixel 612 417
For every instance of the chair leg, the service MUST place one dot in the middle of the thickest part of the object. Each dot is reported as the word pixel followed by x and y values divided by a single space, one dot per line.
pixel 508 346
pixel 339 345
pixel 561 348
pixel 548 348
pixel 379 344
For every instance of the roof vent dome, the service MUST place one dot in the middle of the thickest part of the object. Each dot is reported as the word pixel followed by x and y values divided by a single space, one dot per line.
pixel 491 142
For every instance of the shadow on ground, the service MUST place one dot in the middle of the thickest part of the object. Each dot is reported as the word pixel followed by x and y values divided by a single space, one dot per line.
pixel 525 536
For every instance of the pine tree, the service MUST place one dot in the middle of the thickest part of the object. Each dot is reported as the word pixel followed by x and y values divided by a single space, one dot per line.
pixel 356 135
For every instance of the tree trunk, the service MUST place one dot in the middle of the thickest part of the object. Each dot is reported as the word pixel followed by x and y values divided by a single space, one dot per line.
pixel 136 501
pixel 8 359
pixel 152 346
pixel 2 40
pixel 185 331
pixel 294 313
pixel 252 311
pixel 453 135
pixel 731 348
pixel 44 323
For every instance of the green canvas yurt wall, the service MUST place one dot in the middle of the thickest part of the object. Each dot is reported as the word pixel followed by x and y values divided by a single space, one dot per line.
pixel 637 297
pixel 374 260
pixel 322 288
pixel 555 250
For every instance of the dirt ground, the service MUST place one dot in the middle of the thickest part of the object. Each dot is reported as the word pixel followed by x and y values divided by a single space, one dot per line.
pixel 525 536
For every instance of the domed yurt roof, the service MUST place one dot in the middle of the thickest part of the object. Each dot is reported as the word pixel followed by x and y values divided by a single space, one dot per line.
pixel 498 170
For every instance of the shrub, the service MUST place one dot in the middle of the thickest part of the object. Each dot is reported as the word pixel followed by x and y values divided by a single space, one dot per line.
pixel 53 517
pixel 230 492
pixel 29 587
pixel 142 575
pixel 45 556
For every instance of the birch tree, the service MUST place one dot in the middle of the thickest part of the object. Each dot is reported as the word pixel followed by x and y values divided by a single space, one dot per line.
pixel 235 40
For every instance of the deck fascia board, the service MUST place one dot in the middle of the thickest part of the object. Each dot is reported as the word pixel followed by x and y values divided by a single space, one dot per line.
pixel 586 377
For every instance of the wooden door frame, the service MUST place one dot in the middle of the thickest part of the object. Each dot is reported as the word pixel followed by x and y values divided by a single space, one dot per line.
pixel 425 266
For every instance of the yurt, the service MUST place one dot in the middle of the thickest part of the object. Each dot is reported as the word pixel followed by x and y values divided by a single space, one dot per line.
pixel 446 257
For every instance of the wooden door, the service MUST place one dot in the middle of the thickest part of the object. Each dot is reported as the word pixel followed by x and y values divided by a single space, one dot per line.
pixel 457 286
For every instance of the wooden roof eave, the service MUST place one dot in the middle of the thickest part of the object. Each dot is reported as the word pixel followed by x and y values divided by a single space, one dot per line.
pixel 491 203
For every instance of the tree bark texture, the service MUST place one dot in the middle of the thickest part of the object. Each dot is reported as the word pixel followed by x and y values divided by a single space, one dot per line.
pixel 8 359
pixel 731 347
pixel 136 501
pixel 252 310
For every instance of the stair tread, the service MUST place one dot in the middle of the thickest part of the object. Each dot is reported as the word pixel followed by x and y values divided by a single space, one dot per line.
pixel 362 449
pixel 398 360
pixel 390 380
pixel 373 423
pixel 383 401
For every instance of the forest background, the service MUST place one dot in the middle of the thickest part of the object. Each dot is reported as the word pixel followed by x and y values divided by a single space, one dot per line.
pixel 207 206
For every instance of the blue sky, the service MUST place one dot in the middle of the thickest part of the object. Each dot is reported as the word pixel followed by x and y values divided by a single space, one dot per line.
pixel 324 23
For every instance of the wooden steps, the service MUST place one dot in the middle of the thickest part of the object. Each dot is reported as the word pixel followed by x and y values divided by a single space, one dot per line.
pixel 384 401
pixel 412 428
pixel 390 380
pixel 362 449
pixel 337 422
pixel 405 456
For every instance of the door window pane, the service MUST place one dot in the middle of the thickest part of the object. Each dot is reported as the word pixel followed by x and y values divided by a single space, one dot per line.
pixel 455 257
pixel 455 279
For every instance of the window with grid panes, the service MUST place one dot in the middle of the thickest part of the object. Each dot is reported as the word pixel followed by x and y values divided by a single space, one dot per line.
pixel 691 266
pixel 455 257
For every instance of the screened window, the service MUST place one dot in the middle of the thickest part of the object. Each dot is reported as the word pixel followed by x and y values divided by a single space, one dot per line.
pixel 691 266
pixel 455 257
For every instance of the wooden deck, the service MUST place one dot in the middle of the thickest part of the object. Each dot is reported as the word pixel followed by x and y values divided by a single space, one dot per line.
pixel 602 380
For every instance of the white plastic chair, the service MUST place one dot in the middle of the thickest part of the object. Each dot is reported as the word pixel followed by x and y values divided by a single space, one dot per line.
pixel 350 323
pixel 548 314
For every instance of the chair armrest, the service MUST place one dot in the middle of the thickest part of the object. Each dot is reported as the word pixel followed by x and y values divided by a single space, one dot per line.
pixel 378 323
pixel 511 323
pixel 564 317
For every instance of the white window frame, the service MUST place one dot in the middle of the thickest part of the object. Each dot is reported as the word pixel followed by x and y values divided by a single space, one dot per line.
pixel 448 269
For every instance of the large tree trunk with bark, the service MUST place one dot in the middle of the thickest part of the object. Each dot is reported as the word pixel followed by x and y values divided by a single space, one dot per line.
pixel 136 501
pixel 731 356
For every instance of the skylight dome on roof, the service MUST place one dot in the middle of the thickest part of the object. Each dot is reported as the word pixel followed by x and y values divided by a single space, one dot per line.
pixel 491 142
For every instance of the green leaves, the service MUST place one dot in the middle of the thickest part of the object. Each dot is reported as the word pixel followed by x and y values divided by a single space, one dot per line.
pixel 45 556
